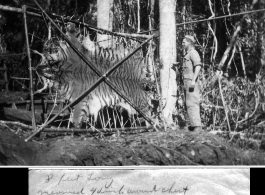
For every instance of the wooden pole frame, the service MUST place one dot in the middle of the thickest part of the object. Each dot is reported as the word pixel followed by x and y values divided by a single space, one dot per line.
pixel 24 8
pixel 101 79
pixel 92 131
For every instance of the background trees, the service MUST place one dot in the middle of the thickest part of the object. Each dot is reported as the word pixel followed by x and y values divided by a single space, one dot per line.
pixel 125 19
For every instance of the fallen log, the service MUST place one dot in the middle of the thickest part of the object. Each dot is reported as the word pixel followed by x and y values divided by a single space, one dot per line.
pixel 22 115
pixel 16 123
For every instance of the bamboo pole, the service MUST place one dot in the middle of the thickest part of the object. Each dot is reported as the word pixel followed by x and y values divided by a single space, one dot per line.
pixel 209 19
pixel 234 36
pixel 77 130
pixel 18 10
pixel 242 60
pixel 224 104
pixel 221 17
pixel 231 58
pixel 36 13
pixel 24 8
pixel 101 79
pixel 230 46
pixel 104 130
pixel 29 101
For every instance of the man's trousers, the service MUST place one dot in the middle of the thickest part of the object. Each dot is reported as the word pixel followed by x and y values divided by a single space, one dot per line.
pixel 193 102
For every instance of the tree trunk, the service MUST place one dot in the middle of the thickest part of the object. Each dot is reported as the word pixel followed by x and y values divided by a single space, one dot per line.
pixel 168 55
pixel 105 20
pixel 151 49
pixel 260 51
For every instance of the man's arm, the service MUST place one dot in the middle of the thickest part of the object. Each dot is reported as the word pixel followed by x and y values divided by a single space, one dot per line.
pixel 196 73
pixel 196 60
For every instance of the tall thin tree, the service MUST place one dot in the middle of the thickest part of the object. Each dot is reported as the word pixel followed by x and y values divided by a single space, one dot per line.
pixel 105 21
pixel 260 37
pixel 168 55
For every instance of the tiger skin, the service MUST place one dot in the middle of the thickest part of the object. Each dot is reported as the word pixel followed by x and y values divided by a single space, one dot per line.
pixel 73 77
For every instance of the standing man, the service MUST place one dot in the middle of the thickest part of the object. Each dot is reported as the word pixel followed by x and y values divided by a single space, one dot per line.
pixel 191 68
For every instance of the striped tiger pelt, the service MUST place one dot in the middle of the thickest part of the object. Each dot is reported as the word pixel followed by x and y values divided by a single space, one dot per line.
pixel 74 77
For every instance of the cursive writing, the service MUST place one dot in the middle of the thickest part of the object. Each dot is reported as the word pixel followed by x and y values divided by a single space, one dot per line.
pixel 93 178
pixel 61 192
pixel 68 179
pixel 109 188
pixel 49 177
pixel 97 184
pixel 155 189
pixel 106 189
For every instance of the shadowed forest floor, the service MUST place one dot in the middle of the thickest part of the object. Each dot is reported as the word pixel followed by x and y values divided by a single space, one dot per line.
pixel 172 147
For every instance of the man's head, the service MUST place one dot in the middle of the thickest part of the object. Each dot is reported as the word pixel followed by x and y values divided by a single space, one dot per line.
pixel 188 42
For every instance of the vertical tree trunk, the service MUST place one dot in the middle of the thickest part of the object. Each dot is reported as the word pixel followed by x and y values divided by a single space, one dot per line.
pixel 168 55
pixel 138 16
pixel 104 20
pixel 259 38
pixel 184 13
pixel 150 61
pixel 49 23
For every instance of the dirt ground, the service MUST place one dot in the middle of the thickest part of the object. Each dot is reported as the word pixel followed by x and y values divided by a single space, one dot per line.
pixel 171 147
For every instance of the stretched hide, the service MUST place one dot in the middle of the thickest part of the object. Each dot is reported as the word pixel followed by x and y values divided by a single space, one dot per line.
pixel 72 76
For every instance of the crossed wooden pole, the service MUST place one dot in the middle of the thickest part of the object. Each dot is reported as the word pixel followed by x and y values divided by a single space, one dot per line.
pixel 30 71
pixel 103 78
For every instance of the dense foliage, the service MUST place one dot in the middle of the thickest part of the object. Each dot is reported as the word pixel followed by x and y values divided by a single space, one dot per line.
pixel 12 29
